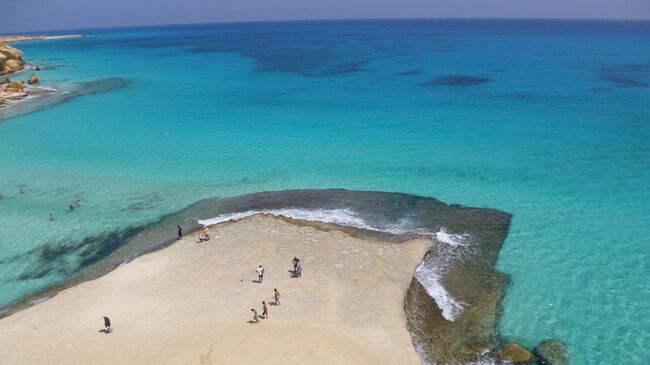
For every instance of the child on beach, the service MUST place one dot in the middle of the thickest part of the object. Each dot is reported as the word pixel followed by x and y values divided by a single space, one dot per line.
pixel 265 310
pixel 276 295
pixel 255 316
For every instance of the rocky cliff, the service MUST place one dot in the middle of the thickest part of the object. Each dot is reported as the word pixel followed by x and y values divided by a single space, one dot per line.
pixel 10 59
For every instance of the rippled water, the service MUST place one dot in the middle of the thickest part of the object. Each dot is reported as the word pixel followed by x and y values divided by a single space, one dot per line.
pixel 546 120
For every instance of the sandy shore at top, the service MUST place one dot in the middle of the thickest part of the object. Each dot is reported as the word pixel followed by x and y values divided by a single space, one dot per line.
pixel 190 304
pixel 20 38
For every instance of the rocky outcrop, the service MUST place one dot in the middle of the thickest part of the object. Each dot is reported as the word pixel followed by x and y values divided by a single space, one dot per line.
pixel 32 79
pixel 14 87
pixel 10 59
pixel 552 352
pixel 516 354
pixel 12 91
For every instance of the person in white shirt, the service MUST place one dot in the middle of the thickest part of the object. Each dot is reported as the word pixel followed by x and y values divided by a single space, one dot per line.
pixel 260 274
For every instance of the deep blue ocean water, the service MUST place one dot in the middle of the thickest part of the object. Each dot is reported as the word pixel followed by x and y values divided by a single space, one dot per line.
pixel 547 120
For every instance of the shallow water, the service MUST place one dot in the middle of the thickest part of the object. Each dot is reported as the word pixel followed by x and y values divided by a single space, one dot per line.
pixel 546 120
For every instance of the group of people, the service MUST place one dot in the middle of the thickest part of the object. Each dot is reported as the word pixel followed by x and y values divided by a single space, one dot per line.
pixel 75 204
pixel 297 272
pixel 203 235
pixel 265 309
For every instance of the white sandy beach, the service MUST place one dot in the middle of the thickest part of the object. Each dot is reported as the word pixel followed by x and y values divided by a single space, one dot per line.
pixel 190 304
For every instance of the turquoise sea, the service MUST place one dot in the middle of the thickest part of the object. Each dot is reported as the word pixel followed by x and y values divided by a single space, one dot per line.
pixel 546 120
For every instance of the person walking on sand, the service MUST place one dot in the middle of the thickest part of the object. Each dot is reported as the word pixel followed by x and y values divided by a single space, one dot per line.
pixel 206 233
pixel 255 315
pixel 260 274
pixel 265 310
pixel 298 269
pixel 107 324
pixel 179 230
pixel 276 295
pixel 295 263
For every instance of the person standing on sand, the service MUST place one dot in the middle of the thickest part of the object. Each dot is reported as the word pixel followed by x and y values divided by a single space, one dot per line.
pixel 206 233
pixel 179 230
pixel 260 274
pixel 265 310
pixel 295 263
pixel 107 324
pixel 298 269
pixel 276 295
pixel 255 315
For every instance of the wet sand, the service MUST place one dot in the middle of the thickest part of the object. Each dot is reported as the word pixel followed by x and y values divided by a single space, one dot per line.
pixel 190 303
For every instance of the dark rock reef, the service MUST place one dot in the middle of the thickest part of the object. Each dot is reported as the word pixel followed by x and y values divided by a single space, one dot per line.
pixel 552 352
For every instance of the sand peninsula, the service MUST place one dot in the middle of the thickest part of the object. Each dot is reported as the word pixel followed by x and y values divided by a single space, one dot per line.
pixel 190 303
pixel 388 278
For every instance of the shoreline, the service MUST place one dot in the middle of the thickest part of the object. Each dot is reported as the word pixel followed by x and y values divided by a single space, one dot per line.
pixel 197 296
pixel 24 38
pixel 439 280
pixel 12 64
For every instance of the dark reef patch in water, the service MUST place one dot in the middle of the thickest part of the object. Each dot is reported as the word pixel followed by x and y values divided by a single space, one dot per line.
pixel 288 53
pixel 143 203
pixel 56 97
pixel 469 276
pixel 520 96
pixel 457 80
pixel 631 76
pixel 599 89
pixel 66 258
pixel 409 73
